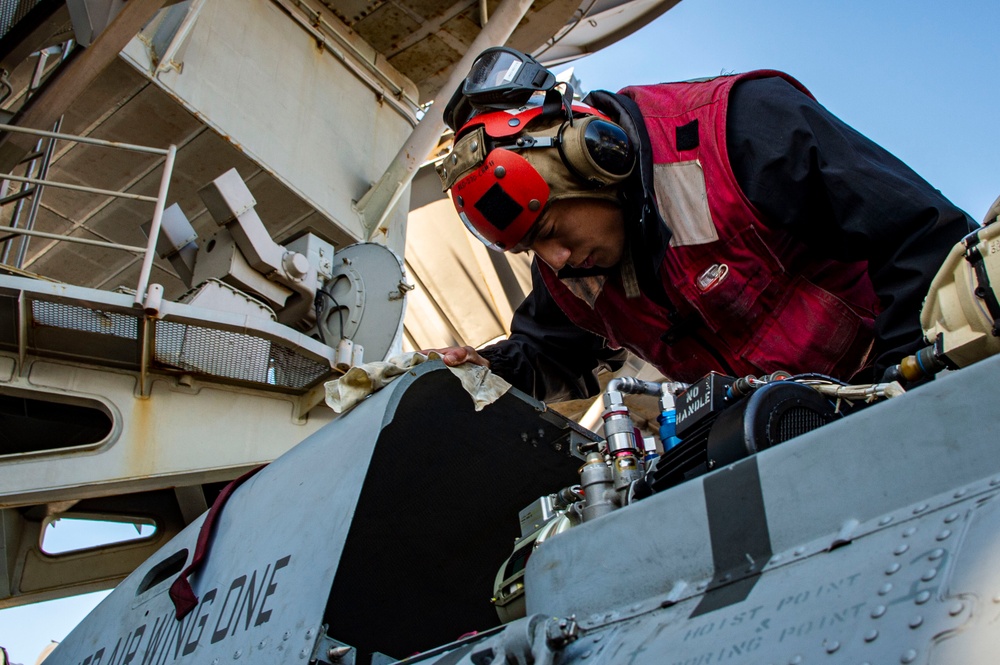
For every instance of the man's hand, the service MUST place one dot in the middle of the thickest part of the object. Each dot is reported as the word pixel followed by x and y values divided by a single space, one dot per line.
pixel 456 355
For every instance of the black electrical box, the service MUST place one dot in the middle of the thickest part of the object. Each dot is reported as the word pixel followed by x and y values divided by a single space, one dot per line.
pixel 702 399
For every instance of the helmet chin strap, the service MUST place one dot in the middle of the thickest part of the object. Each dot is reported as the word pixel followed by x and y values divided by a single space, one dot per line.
pixel 558 104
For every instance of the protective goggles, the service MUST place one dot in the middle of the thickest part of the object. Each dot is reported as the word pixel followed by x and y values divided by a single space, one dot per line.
pixel 501 177
pixel 501 78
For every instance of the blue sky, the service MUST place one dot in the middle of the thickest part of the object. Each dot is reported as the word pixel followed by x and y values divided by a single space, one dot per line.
pixel 919 77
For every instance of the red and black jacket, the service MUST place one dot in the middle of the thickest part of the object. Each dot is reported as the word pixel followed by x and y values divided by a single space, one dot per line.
pixel 772 268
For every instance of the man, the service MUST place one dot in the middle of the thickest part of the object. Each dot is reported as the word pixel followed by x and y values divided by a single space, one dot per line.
pixel 731 225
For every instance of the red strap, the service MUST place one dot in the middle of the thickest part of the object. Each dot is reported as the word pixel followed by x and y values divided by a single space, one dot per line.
pixel 181 592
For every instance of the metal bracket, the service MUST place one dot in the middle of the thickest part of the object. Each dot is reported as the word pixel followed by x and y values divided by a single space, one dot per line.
pixel 329 650
pixel 984 290
pixel 401 292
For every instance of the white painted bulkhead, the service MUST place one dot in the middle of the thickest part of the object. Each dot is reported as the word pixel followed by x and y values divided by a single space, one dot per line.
pixel 303 104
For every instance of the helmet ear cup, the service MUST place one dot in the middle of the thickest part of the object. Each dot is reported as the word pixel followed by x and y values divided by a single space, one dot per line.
pixel 500 201
pixel 596 151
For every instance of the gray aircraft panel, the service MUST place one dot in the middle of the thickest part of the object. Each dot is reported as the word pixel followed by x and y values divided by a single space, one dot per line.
pixel 388 514
pixel 898 529
pixel 810 492
pixel 872 540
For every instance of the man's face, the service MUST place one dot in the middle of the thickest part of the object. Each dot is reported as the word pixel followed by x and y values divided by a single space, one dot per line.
pixel 580 233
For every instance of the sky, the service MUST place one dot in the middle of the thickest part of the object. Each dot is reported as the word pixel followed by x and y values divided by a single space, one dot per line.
pixel 921 78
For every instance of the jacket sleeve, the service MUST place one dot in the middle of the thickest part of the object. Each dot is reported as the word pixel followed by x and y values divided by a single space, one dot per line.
pixel 847 198
pixel 548 356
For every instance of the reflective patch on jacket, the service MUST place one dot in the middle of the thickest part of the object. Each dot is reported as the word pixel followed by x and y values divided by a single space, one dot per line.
pixel 683 203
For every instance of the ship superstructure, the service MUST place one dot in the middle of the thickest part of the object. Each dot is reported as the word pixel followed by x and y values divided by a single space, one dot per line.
pixel 205 214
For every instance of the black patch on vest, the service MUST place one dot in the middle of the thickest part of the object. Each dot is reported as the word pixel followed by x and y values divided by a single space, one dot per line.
pixel 687 136
pixel 741 542
pixel 498 207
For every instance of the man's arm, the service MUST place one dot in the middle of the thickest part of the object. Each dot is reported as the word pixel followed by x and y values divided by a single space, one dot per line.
pixel 808 172
pixel 548 356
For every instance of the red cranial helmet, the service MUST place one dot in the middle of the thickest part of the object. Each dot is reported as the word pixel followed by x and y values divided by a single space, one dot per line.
pixel 506 166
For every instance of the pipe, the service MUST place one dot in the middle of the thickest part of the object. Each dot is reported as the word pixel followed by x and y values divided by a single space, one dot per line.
pixel 81 139
pixel 43 173
pixel 378 202
pixel 64 238
pixel 78 188
pixel 154 227
pixel 633 386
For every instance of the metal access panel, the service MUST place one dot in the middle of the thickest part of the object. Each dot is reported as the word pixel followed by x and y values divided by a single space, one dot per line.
pixel 872 539
pixel 384 529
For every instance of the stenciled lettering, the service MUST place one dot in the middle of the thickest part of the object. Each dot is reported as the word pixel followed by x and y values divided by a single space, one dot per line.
pixel 206 601
pixel 134 644
pixel 237 586
pixel 252 601
pixel 265 616
pixel 165 639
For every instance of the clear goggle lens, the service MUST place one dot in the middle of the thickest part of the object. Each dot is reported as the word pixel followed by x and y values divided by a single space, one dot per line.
pixel 494 69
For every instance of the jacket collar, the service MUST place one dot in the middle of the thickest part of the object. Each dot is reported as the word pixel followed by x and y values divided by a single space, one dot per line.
pixel 648 236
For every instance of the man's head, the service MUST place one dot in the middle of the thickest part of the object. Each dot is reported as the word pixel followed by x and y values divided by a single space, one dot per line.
pixel 578 233
pixel 507 166
pixel 509 169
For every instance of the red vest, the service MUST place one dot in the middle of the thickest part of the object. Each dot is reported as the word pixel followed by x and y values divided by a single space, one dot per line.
pixel 759 303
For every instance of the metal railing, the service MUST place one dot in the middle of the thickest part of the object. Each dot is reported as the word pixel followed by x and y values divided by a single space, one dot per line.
pixel 149 251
